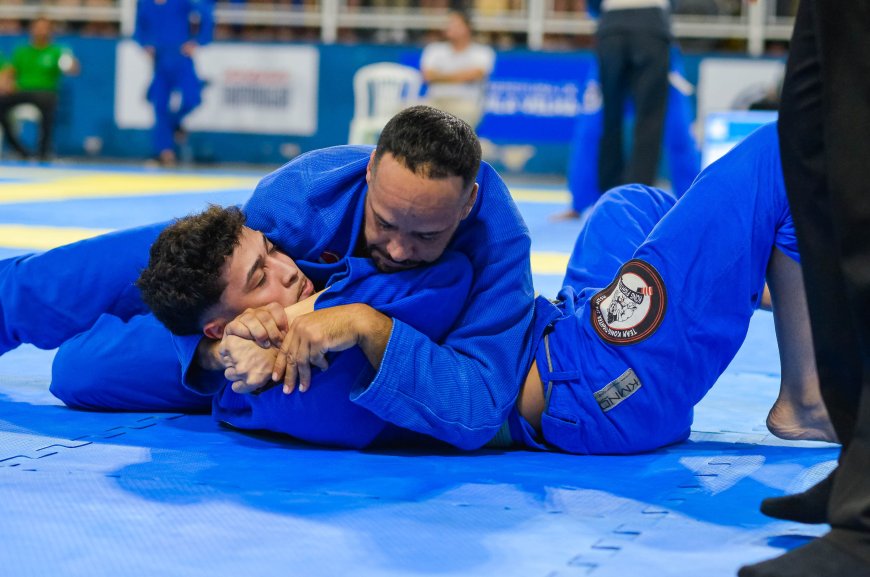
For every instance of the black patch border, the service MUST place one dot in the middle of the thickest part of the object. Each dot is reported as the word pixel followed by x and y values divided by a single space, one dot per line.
pixel 658 303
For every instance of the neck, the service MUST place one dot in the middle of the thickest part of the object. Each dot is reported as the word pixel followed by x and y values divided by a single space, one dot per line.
pixel 360 249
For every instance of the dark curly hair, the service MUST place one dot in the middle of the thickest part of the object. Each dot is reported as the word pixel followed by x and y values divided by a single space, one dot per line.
pixel 431 143
pixel 184 274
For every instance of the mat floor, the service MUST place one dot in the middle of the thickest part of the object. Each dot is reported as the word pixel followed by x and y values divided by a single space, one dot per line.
pixel 168 494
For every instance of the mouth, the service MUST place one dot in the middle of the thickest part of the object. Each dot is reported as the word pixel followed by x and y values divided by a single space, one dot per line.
pixel 386 264
pixel 306 289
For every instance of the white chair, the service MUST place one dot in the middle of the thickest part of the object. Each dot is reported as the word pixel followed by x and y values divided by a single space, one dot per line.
pixel 380 91
pixel 21 113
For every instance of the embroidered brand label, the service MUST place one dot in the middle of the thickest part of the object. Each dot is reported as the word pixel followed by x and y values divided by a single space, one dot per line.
pixel 625 386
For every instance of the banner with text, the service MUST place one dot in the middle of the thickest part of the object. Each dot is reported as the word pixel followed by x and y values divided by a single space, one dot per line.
pixel 246 88
pixel 531 99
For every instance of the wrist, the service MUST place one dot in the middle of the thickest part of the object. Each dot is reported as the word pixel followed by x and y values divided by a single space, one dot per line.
pixel 208 356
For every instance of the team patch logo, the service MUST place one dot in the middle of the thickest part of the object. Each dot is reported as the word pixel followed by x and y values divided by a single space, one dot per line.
pixel 632 307
pixel 329 257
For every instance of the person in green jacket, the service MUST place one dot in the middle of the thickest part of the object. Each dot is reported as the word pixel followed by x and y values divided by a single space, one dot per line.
pixel 32 76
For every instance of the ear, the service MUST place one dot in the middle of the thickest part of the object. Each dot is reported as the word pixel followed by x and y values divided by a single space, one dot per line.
pixel 215 329
pixel 472 198
pixel 370 169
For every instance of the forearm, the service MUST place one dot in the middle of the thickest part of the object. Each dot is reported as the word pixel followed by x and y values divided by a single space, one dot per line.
pixel 373 330
pixel 434 76
pixel 303 307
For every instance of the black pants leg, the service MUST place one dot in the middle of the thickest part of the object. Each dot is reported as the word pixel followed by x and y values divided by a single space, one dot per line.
pixel 10 130
pixel 825 141
pixel 802 145
pixel 46 102
pixel 844 27
pixel 613 73
pixel 650 62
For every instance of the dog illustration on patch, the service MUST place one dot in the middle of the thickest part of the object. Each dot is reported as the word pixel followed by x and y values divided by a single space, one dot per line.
pixel 623 305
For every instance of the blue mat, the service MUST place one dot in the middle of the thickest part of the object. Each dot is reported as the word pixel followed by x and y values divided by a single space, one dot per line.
pixel 108 494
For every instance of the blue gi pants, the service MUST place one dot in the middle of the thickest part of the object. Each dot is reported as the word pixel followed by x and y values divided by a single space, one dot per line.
pixel 173 71
pixel 82 298
pixel 624 365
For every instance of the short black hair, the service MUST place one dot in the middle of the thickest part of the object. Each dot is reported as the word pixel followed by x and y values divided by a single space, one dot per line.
pixel 431 143
pixel 184 277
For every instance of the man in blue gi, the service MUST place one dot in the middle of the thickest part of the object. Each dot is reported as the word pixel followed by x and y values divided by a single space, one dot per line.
pixel 164 28
pixel 619 369
pixel 616 370
pixel 204 267
pixel 421 192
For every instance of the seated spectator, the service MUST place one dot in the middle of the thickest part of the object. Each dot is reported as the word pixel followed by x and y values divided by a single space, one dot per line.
pixel 32 76
pixel 457 70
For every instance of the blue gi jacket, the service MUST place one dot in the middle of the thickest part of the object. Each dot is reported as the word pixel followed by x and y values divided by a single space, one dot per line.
pixel 166 26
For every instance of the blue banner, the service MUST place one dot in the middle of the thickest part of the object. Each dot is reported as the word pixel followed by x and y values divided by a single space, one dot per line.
pixel 535 99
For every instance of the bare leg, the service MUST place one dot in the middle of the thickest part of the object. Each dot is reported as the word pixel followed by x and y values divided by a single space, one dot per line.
pixel 766 304
pixel 799 412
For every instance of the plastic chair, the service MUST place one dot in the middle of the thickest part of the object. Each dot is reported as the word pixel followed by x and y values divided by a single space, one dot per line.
pixel 380 91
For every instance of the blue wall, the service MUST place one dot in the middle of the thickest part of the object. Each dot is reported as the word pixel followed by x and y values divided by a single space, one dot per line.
pixel 87 106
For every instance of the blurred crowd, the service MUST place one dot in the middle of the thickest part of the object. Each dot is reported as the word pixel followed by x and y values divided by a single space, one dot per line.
pixel 96 23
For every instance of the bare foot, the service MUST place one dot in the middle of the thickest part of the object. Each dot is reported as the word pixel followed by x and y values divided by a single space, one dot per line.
pixel 800 421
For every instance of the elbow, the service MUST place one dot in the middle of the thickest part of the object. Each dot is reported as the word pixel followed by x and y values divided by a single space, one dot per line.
pixel 70 382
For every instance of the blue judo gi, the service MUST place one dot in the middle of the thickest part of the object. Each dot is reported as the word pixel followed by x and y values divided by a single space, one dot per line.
pixel 115 356
pixel 639 336
pixel 165 26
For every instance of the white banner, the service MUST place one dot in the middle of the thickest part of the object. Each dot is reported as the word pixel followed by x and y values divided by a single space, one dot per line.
pixel 248 88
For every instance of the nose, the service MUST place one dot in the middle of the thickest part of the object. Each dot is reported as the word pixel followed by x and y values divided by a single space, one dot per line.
pixel 287 271
pixel 399 250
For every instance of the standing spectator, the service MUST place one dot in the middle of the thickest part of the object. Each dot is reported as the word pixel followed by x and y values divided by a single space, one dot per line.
pixel 32 76
pixel 166 30
pixel 457 70
pixel 633 49
pixel 5 77
pixel 824 124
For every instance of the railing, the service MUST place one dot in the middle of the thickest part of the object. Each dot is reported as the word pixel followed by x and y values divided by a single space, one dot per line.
pixel 531 23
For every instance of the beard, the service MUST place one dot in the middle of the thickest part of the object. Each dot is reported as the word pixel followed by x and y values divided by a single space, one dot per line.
pixel 384 263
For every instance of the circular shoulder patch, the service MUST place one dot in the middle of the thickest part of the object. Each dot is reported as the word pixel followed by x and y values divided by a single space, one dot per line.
pixel 632 307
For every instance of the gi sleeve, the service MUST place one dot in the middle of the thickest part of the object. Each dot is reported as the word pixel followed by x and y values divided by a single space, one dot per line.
pixel 429 298
pixel 144 33
pixel 205 10
pixel 193 377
